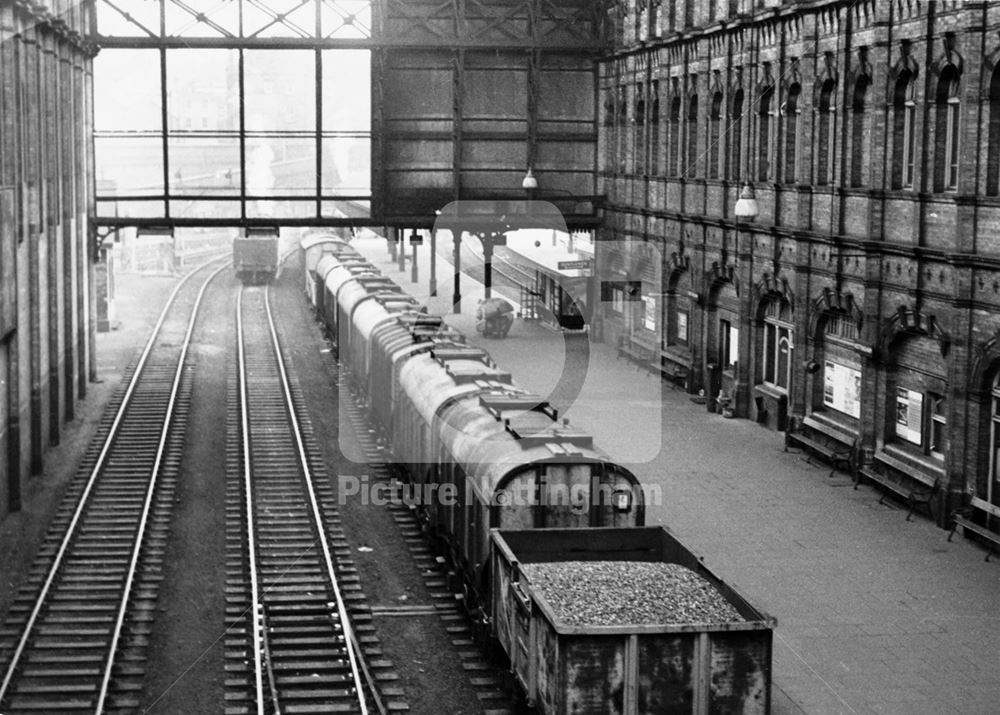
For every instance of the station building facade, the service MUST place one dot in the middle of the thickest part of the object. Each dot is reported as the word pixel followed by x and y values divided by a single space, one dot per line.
pixel 861 305
pixel 47 246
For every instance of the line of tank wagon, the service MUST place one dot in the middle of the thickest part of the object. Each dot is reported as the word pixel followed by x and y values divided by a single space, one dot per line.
pixel 597 613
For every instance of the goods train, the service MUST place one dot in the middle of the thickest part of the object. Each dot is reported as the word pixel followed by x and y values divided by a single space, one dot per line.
pixel 255 256
pixel 458 426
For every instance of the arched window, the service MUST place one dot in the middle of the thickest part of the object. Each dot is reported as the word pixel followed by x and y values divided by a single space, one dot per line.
pixel 859 148
pixel 654 130
pixel 674 140
pixel 903 140
pixel 714 126
pixel 777 346
pixel 736 136
pixel 946 131
pixel 825 140
pixel 610 113
pixel 765 144
pixel 991 493
pixel 622 128
pixel 638 144
pixel 791 112
pixel 993 150
pixel 691 161
pixel 841 377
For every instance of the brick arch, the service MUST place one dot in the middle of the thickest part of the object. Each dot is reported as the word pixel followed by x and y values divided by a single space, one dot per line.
pixel 827 73
pixel 905 64
pixel 676 266
pixel 985 363
pixel 831 301
pixel 766 80
pixel 950 57
pixel 908 321
pixel 717 276
pixel 992 61
pixel 767 287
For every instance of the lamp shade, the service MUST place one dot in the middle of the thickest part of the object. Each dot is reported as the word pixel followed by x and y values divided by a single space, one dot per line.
pixel 746 205
pixel 529 181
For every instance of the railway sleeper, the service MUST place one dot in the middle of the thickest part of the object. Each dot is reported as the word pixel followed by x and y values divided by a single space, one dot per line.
pixel 307 679
pixel 32 671
pixel 310 666
pixel 328 695
pixel 43 688
pixel 30 704
pixel 305 709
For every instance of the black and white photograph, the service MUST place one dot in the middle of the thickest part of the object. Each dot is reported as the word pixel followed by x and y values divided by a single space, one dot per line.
pixel 499 357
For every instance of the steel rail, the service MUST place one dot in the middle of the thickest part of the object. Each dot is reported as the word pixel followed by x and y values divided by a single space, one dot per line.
pixel 91 480
pixel 349 640
pixel 150 490
pixel 255 605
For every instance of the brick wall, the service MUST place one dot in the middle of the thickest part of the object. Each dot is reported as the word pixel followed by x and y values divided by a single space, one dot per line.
pixel 921 260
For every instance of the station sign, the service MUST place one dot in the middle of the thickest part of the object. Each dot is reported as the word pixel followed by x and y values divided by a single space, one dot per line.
pixel 583 265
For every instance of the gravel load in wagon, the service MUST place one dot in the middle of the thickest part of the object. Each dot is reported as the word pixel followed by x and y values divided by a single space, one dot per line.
pixel 608 593
pixel 625 621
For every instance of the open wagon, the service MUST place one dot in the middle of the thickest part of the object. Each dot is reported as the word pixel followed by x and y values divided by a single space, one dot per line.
pixel 720 663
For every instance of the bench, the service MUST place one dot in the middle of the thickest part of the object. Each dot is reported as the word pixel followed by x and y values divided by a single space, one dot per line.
pixel 963 517
pixel 640 350
pixel 675 372
pixel 808 435
pixel 903 481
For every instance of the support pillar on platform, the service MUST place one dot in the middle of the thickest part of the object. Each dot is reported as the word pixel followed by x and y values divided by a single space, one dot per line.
pixel 456 297
pixel 433 285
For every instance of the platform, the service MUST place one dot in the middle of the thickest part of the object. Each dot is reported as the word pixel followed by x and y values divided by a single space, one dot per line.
pixel 875 614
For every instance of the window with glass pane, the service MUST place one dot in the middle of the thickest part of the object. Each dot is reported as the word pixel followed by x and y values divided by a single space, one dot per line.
pixel 729 340
pixel 777 344
pixel 204 166
pixel 840 326
pixel 280 88
pixel 765 144
pixel 346 90
pixel 736 137
pixel 127 91
pixel 992 492
pixel 203 90
pixel 938 427
pixel 129 166
pixel 682 326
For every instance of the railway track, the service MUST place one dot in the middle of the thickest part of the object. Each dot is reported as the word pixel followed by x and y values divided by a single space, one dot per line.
pixel 293 648
pixel 74 639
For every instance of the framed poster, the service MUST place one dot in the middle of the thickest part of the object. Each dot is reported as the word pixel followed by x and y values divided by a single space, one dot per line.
pixel 842 388
pixel 909 412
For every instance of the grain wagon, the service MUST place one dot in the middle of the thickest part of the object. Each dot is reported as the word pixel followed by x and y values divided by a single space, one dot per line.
pixel 625 668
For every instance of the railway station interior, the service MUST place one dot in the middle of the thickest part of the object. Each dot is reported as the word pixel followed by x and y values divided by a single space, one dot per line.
pixel 745 262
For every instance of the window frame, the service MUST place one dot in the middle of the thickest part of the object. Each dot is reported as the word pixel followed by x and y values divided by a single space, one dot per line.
pixel 904 140
pixel 736 137
pixel 777 326
pixel 790 110
pixel 826 134
pixel 691 155
pixel 729 343
pixel 714 135
pixel 766 121
pixel 859 119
